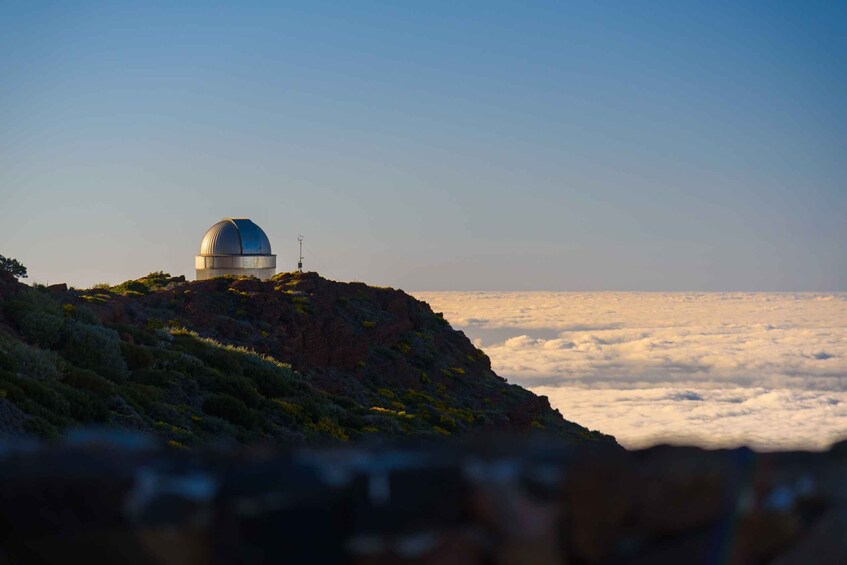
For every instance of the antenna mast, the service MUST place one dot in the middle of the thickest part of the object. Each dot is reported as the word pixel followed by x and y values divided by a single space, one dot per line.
pixel 300 262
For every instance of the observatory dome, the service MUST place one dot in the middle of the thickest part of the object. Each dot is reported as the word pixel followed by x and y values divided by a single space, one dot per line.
pixel 235 246
pixel 235 236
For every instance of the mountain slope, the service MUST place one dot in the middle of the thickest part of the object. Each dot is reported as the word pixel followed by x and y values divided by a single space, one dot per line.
pixel 298 359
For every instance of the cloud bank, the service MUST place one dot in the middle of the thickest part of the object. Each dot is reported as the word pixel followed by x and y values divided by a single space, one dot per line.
pixel 767 370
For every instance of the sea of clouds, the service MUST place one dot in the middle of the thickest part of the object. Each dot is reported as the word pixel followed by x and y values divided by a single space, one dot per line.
pixel 768 370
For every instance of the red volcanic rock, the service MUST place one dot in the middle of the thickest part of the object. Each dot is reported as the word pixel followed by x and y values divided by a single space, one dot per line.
pixel 57 289
pixel 523 413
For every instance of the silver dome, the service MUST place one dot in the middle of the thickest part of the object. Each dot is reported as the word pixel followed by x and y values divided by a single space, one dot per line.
pixel 235 236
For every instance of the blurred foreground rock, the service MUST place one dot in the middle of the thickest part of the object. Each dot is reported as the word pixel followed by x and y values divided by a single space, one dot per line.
pixel 116 497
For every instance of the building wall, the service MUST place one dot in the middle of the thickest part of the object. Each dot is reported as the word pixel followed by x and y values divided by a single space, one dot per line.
pixel 211 266
pixel 235 261
pixel 263 274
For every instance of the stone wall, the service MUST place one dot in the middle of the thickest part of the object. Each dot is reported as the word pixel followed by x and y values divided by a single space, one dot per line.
pixel 113 497
pixel 261 274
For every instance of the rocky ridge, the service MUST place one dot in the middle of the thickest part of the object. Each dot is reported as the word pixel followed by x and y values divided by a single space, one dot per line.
pixel 297 359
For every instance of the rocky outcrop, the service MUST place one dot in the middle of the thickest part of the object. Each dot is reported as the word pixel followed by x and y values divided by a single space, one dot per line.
pixel 350 338
pixel 342 361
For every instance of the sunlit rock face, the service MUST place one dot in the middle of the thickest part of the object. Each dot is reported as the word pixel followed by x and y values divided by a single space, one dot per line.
pixel 235 246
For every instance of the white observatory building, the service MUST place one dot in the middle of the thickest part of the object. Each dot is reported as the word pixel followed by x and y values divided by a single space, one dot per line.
pixel 235 246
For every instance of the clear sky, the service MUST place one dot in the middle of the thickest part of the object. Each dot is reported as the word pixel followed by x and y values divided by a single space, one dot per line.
pixel 432 145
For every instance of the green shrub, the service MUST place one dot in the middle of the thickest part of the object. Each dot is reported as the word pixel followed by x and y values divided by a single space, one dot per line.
pixel 38 317
pixel 28 392
pixel 441 431
pixel 85 379
pixel 41 328
pixel 215 426
pixel 140 336
pixel 290 408
pixel 139 395
pixel 238 387
pixel 155 377
pixel 313 409
pixel 40 427
pixel 227 361
pixel 274 382
pixel 156 280
pixel 346 403
pixel 136 356
pixel 164 412
pixel 82 313
pixel 328 427
pixel 28 360
pixel 7 361
pixel 189 342
pixel 230 409
pixel 131 286
pixel 96 348
pixel 447 422
pixel 86 407
pixel 154 324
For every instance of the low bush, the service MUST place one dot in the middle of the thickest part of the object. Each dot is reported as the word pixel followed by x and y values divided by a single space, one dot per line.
pixel 40 427
pixel 30 394
pixel 85 407
pixel 329 428
pixel 274 382
pixel 230 409
pixel 159 279
pixel 41 328
pixel 136 356
pixel 238 387
pixel 38 317
pixel 85 379
pixel 140 336
pixel 226 361
pixel 96 348
pixel 131 286
pixel 29 360
pixel 81 313
pixel 155 377
pixel 140 395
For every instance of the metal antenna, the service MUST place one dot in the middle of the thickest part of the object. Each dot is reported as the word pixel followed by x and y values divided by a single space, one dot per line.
pixel 300 262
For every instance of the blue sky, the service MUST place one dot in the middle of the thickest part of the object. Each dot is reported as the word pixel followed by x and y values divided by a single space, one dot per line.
pixel 477 145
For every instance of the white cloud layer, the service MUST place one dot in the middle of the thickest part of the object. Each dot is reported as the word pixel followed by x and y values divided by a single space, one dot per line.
pixel 767 370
